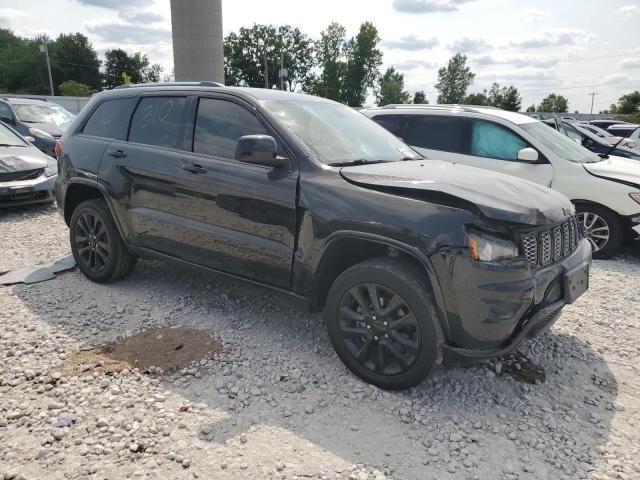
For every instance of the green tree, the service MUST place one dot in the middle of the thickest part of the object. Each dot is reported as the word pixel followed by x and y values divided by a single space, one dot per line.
pixel 390 88
pixel 245 53
pixel 363 63
pixel 420 98
pixel 347 68
pixel 554 103
pixel 71 88
pixel 74 58
pixel 22 66
pixel 506 98
pixel 629 103
pixel 454 80
pixel 479 98
pixel 531 108
pixel 136 66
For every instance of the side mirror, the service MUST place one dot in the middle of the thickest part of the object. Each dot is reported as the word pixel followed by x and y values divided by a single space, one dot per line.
pixel 631 143
pixel 7 120
pixel 29 139
pixel 259 150
pixel 587 143
pixel 529 155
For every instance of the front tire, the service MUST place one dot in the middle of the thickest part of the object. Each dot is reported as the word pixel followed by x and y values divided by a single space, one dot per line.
pixel 383 323
pixel 602 228
pixel 96 244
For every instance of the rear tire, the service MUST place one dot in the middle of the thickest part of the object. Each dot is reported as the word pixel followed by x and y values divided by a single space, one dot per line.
pixel 96 244
pixel 600 222
pixel 383 323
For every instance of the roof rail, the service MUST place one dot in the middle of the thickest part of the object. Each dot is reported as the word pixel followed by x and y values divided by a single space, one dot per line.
pixel 26 97
pixel 466 108
pixel 205 83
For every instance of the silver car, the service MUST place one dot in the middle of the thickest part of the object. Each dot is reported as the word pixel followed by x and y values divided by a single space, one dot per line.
pixel 26 174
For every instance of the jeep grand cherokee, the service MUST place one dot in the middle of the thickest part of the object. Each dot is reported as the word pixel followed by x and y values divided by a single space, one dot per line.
pixel 413 262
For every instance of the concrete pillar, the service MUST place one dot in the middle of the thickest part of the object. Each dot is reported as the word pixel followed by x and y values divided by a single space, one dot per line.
pixel 197 40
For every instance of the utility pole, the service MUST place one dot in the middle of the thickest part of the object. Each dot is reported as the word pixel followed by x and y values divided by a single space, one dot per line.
pixel 266 70
pixel 45 50
pixel 593 96
pixel 281 70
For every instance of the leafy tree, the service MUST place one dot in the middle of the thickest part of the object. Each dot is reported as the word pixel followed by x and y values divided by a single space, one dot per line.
pixel 363 63
pixel 391 88
pixel 74 58
pixel 22 66
pixel 348 68
pixel 245 53
pixel 554 103
pixel 420 98
pixel 454 80
pixel 136 66
pixel 506 98
pixel 479 98
pixel 629 103
pixel 531 109
pixel 71 88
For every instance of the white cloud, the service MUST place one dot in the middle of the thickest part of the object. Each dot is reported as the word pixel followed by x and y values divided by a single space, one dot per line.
pixel 629 9
pixel 428 6
pixel 411 42
pixel 470 45
pixel 117 4
pixel 615 78
pixel 140 17
pixel 7 15
pixel 630 63
pixel 521 61
pixel 533 15
pixel 556 38
pixel 413 64
pixel 128 33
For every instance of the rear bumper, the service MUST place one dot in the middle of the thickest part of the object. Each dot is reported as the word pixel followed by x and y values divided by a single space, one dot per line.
pixel 27 192
pixel 492 308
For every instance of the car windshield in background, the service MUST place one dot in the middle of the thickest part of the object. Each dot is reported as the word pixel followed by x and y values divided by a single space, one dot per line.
pixel 45 113
pixel 339 134
pixel 10 139
pixel 559 144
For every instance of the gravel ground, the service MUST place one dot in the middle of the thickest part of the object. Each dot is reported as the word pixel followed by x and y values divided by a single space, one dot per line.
pixel 277 402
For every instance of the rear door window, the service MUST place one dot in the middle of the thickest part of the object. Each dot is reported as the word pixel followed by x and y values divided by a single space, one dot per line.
pixel 219 124
pixel 393 123
pixel 110 119
pixel 159 121
pixel 495 141
pixel 442 133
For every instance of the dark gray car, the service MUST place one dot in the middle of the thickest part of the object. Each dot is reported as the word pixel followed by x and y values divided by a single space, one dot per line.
pixel 26 174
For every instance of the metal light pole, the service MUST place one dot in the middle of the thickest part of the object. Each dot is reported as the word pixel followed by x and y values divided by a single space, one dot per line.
pixel 266 70
pixel 45 50
pixel 593 96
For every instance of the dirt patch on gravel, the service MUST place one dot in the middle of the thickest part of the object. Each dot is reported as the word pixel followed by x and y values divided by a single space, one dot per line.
pixel 164 348
pixel 521 369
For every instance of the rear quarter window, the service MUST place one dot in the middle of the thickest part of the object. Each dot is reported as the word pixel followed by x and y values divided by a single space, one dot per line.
pixel 110 119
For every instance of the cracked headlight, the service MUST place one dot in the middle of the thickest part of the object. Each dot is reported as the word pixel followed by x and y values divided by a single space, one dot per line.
pixel 487 248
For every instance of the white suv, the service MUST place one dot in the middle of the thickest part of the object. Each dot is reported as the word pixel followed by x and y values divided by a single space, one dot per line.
pixel 606 192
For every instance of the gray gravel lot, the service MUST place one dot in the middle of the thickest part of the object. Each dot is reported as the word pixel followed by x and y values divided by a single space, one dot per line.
pixel 277 402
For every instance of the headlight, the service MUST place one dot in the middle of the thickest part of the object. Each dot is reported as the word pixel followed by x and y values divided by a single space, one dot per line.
pixel 486 248
pixel 635 196
pixel 52 169
pixel 36 132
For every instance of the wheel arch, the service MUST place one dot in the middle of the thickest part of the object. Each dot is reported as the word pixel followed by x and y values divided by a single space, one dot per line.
pixel 344 249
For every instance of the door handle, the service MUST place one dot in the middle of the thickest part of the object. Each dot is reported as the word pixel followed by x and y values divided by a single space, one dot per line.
pixel 116 153
pixel 193 168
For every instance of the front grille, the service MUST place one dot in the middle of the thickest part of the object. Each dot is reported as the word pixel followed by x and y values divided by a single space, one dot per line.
pixel 546 246
pixel 23 175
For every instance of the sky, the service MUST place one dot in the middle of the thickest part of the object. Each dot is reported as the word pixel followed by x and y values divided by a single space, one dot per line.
pixel 569 47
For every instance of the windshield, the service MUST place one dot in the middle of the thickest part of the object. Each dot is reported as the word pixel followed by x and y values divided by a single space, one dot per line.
pixel 339 134
pixel 45 113
pixel 10 139
pixel 560 145
pixel 597 130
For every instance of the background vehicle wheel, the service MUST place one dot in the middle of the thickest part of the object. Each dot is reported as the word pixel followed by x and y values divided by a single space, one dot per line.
pixel 383 323
pixel 97 247
pixel 603 229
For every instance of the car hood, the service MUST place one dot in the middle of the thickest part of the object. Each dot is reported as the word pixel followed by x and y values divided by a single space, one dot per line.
pixel 18 159
pixel 494 195
pixel 50 128
pixel 625 170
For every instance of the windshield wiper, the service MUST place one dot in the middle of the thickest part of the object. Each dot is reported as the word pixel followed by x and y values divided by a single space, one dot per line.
pixel 11 145
pixel 360 161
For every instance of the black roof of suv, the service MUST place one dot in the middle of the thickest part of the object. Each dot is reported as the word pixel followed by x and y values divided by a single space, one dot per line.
pixel 411 260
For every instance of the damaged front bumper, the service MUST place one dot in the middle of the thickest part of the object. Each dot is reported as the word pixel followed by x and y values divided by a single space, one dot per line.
pixel 27 192
pixel 492 308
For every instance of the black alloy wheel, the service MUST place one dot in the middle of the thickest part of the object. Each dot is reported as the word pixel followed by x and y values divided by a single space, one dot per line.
pixel 92 242
pixel 379 329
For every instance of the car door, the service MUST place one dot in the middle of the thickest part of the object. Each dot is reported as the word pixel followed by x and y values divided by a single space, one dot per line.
pixel 495 147
pixel 240 217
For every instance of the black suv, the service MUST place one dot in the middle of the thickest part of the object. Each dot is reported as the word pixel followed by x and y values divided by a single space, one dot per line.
pixel 413 261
